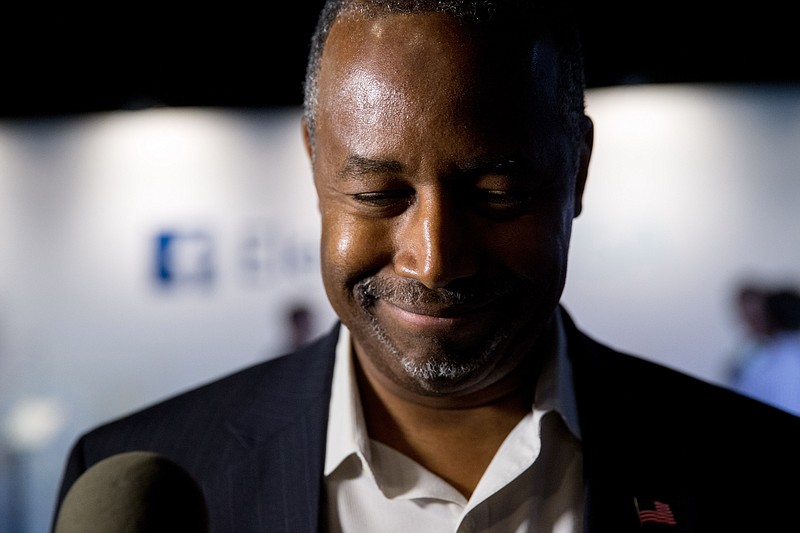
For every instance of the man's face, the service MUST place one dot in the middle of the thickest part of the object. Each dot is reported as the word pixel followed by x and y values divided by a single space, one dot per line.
pixel 447 193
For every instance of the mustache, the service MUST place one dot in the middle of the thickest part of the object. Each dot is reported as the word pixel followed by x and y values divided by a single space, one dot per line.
pixel 412 292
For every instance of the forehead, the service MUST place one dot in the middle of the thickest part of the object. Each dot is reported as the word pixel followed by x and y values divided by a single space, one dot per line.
pixel 432 52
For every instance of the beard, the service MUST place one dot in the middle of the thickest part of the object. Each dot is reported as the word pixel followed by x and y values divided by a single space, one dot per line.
pixel 447 360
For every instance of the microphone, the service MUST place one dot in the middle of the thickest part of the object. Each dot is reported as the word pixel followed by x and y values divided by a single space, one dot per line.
pixel 133 492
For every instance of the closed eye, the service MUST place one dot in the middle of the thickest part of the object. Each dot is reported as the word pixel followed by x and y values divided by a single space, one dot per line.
pixel 383 203
pixel 502 203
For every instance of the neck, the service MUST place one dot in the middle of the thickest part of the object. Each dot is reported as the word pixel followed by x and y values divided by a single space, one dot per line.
pixel 453 438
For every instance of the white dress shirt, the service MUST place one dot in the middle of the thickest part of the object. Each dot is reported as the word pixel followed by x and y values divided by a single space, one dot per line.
pixel 533 484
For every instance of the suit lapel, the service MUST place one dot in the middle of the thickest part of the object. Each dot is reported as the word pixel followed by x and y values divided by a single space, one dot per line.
pixel 276 484
pixel 628 487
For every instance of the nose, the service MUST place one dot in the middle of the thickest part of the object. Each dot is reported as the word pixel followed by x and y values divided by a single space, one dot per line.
pixel 433 242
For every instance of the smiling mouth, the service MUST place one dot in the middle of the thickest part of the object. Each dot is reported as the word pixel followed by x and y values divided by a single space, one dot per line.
pixel 434 318
pixel 438 310
pixel 411 305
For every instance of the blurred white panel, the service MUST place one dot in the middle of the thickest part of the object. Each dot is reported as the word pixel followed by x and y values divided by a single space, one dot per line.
pixel 691 189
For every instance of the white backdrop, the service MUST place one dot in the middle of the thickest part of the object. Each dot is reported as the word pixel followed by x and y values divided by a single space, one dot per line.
pixel 691 189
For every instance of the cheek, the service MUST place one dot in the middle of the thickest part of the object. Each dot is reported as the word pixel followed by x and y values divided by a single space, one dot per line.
pixel 351 248
pixel 533 246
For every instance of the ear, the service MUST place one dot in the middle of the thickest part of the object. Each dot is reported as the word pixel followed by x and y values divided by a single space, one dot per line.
pixel 584 155
pixel 307 138
pixel 309 148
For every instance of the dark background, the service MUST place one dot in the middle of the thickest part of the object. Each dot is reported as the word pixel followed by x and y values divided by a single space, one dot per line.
pixel 133 56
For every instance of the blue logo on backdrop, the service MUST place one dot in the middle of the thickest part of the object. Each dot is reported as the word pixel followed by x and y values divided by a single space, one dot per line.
pixel 184 258
pixel 268 254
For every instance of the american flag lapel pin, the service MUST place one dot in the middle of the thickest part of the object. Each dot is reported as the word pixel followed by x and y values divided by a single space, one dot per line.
pixel 659 513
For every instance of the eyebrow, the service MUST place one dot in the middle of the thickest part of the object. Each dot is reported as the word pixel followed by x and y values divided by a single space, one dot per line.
pixel 501 165
pixel 357 165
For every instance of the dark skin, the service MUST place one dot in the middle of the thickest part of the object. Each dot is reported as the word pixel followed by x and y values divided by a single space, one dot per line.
pixel 447 191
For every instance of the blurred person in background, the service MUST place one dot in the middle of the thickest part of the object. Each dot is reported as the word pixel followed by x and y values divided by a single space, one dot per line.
pixel 771 371
pixel 751 316
pixel 299 325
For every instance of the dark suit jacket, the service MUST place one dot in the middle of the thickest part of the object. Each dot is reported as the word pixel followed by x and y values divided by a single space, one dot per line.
pixel 255 440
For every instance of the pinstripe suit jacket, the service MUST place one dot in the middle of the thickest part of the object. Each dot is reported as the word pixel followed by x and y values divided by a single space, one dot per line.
pixel 255 440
